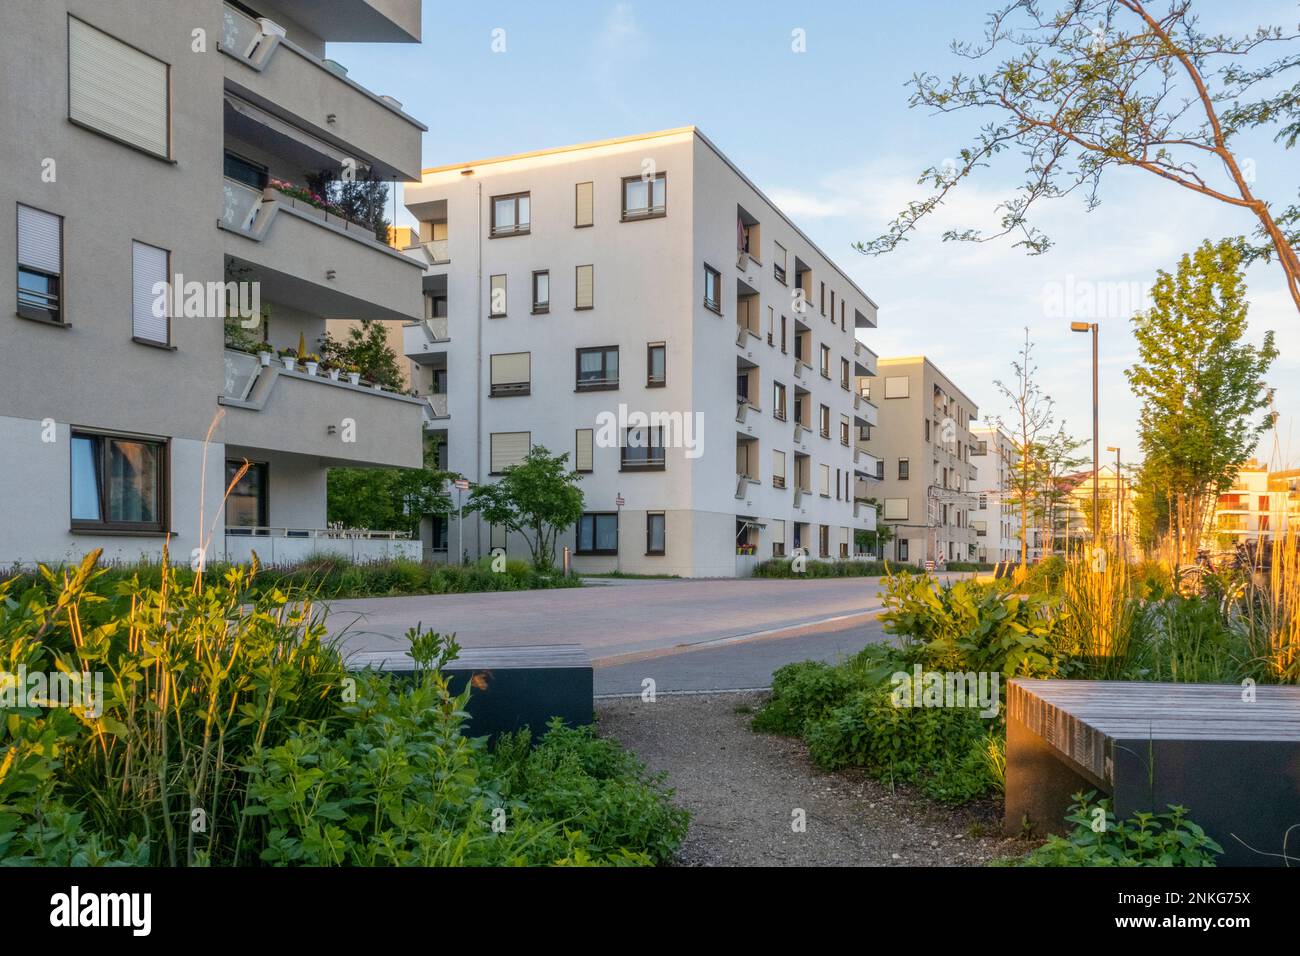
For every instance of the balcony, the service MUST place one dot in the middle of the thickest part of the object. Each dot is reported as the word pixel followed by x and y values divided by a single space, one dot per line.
pixel 435 411
pixel 315 97
pixel 422 340
pixel 294 545
pixel 273 408
pixel 865 463
pixel 319 261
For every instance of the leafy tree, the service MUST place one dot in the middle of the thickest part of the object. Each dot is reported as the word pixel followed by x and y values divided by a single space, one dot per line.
pixel 366 346
pixel 1100 84
pixel 538 498
pixel 874 542
pixel 1031 416
pixel 1057 454
pixel 1200 385
pixel 388 499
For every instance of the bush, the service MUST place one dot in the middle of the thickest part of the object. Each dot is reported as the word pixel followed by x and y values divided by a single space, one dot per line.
pixel 801 693
pixel 1144 839
pixel 784 568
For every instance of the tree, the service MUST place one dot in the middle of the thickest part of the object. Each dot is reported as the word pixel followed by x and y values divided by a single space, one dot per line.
pixel 874 542
pixel 1057 454
pixel 366 347
pixel 1031 417
pixel 1200 385
pixel 1107 83
pixel 388 499
pixel 538 498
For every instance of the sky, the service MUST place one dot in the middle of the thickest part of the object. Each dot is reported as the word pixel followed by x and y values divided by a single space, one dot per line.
pixel 827 134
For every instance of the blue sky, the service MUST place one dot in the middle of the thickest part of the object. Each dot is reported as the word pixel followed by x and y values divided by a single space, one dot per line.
pixel 828 135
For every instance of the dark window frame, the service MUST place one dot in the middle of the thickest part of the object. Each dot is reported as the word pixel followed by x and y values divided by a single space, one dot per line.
pixel 595 516
pixel 539 307
pixel 652 211
pixel 663 518
pixel 263 470
pixel 645 458
pixel 603 384
pixel 59 295
pixel 713 305
pixel 515 230
pixel 162 490
pixel 650 380
pixel 904 469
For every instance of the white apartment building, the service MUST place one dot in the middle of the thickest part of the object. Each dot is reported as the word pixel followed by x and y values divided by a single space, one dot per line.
pixel 640 305
pixel 150 145
pixel 996 518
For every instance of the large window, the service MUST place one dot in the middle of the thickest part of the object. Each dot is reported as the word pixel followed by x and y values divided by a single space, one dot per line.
pixel 511 374
pixel 541 291
pixel 510 215
pixel 656 365
pixel 645 197
pixel 597 368
pixel 643 449
pixel 654 532
pixel 598 533
pixel 712 289
pixel 508 448
pixel 118 483
pixel 246 504
pixel 117 90
pixel 40 265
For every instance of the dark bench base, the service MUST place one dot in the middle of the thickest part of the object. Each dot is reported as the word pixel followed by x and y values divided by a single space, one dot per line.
pixel 513 687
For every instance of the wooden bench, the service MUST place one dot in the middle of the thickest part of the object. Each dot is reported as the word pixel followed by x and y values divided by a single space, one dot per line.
pixel 513 687
pixel 1234 764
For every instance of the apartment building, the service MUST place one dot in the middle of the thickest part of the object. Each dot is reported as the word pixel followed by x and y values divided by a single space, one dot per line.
pixel 640 305
pixel 996 517
pixel 928 480
pixel 151 154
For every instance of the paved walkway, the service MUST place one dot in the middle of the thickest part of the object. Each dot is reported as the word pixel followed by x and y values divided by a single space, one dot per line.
pixel 632 621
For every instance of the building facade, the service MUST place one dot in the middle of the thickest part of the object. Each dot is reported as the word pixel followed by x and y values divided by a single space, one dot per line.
pixel 155 159
pixel 639 305
pixel 928 484
pixel 996 517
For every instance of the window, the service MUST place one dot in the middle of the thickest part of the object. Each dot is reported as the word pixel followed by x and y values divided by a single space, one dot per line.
pixel 904 469
pixel 896 509
pixel 712 289
pixel 497 534
pixel 584 292
pixel 844 542
pixel 583 453
pixel 656 365
pixel 246 504
pixel 824 480
pixel 598 533
pixel 776 531
pixel 826 361
pixel 643 449
pixel 645 197
pixel 837 484
pixel 897 386
pixel 902 549
pixel 749 236
pixel 582 205
pixel 824 540
pixel 541 291
pixel 778 468
pixel 118 483
pixel 241 170
pixel 843 328
pixel 783 329
pixel 778 262
pixel 654 532
pixel 597 368
pixel 510 215
pixel 822 297
pixel 150 267
pixel 844 430
pixel 40 265
pixel 927 429
pixel 511 374
pixel 117 90
pixel 824 420
pixel 506 449
pixel 844 373
pixel 497 297
pixel 778 401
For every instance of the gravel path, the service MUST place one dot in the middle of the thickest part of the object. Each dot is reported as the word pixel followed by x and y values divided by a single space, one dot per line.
pixel 742 789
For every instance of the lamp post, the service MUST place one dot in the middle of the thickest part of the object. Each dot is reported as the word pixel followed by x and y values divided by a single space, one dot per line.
pixel 1096 500
pixel 1119 499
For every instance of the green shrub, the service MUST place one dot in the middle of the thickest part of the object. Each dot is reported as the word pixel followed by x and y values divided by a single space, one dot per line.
pixel 784 568
pixel 1144 839
pixel 802 692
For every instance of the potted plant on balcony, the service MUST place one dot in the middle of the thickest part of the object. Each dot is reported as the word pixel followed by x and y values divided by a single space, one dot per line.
pixel 354 374
pixel 289 357
pixel 265 351
pixel 312 362
pixel 330 368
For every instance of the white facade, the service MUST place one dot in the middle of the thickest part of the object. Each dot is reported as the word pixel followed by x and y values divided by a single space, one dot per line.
pixel 627 263
pixel 996 518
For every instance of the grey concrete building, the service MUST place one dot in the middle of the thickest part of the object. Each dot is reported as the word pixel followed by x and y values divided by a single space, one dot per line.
pixel 925 445
pixel 151 152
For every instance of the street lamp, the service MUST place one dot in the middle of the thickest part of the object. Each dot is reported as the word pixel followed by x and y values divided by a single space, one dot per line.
pixel 1119 499
pixel 1096 506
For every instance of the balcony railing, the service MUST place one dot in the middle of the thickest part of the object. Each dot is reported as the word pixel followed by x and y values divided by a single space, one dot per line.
pixel 436 250
pixel 291 545
pixel 240 206
pixel 241 34
pixel 436 406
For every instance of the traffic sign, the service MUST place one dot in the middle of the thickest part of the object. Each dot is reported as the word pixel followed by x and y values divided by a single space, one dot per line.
pixel 462 484
pixel 619 501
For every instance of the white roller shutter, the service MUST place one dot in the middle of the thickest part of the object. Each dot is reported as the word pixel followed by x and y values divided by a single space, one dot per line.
pixel 776 530
pixel 40 240
pixel 116 89
pixel 583 213
pixel 148 268
pixel 585 295
pixel 583 457
pixel 511 368
pixel 508 448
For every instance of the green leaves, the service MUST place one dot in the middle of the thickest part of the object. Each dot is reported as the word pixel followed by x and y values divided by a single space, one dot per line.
pixel 538 499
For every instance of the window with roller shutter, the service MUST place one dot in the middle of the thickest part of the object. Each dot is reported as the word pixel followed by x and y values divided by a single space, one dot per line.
pixel 583 211
pixel 511 374
pixel 150 308
pixel 40 265
pixel 508 448
pixel 117 90
pixel 584 295
pixel 583 454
